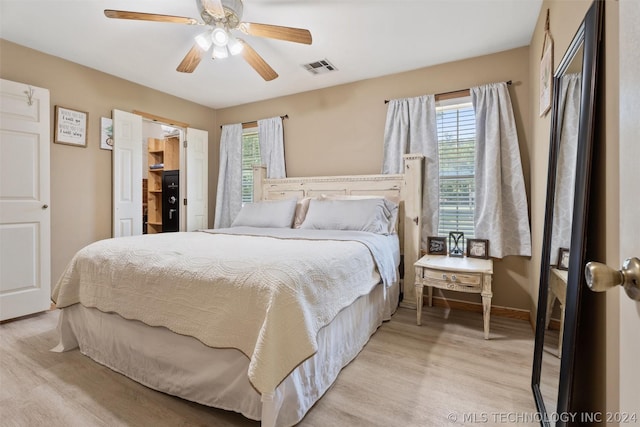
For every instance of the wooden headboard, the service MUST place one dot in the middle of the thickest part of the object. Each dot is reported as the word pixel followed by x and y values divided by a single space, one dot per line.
pixel 406 187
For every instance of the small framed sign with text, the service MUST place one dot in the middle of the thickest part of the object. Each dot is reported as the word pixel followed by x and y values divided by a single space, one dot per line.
pixel 70 127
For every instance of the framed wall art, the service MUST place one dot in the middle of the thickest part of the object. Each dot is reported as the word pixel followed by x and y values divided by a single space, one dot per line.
pixel 70 126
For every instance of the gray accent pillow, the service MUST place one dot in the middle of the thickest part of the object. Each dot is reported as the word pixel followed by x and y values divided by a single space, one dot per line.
pixel 266 214
pixel 372 215
pixel 390 202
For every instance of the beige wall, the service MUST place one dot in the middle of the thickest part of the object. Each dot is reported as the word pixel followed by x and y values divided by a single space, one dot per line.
pixel 81 177
pixel 339 130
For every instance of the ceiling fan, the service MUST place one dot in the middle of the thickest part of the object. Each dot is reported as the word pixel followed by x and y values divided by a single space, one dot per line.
pixel 220 17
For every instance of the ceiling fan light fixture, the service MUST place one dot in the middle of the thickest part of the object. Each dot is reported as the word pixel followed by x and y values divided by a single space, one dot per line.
pixel 235 47
pixel 220 36
pixel 220 52
pixel 204 40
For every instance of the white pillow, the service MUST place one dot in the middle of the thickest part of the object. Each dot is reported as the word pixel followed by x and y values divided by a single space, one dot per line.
pixel 267 214
pixel 370 215
pixel 390 202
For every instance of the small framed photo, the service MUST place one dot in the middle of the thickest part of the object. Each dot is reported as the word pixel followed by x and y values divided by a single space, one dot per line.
pixel 436 245
pixel 478 248
pixel 563 259
pixel 70 126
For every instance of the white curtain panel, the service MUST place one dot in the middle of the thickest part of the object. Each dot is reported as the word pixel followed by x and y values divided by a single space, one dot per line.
pixel 411 129
pixel 569 112
pixel 271 140
pixel 501 213
pixel 229 195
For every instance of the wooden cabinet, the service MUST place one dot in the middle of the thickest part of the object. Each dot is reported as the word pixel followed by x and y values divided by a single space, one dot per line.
pixel 163 155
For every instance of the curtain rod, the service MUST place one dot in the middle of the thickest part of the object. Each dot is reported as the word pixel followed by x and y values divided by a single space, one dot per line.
pixel 509 82
pixel 255 122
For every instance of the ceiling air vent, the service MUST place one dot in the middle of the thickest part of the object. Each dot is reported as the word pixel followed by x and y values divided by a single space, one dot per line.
pixel 322 66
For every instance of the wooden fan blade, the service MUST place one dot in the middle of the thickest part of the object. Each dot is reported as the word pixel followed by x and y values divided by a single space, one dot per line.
pixel 191 60
pixel 256 61
pixel 139 16
pixel 214 8
pixel 290 34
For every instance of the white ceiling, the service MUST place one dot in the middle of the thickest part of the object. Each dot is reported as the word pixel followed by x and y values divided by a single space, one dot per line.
pixel 362 38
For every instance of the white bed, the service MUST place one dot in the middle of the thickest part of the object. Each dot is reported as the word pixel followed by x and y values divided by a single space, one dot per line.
pixel 284 349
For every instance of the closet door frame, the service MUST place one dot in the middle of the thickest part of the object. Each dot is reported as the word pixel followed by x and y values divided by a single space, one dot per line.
pixel 127 170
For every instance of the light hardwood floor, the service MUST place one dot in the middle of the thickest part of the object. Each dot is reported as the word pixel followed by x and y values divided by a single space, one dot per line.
pixel 407 375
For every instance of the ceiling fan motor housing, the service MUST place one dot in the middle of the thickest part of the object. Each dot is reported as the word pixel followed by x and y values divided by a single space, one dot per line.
pixel 232 9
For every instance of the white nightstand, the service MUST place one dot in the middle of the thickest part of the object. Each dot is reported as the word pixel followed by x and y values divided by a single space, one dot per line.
pixel 464 274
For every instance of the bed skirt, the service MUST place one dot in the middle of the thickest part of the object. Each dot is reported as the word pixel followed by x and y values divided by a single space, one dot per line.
pixel 182 366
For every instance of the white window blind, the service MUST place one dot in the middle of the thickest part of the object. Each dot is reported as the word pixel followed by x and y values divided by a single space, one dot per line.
pixel 250 157
pixel 456 153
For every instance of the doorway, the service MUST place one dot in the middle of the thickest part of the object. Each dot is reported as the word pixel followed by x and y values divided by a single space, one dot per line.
pixel 189 185
pixel 161 171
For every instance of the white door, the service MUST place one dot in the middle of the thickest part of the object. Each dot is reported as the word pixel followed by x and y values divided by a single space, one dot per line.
pixel 197 179
pixel 25 219
pixel 629 314
pixel 127 174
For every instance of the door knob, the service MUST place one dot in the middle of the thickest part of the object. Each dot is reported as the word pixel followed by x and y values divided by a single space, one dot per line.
pixel 601 277
pixel 45 206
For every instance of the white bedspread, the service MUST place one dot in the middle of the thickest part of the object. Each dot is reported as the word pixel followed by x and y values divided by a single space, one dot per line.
pixel 265 296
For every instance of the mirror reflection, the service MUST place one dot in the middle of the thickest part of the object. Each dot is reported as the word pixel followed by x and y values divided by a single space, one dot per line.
pixel 568 119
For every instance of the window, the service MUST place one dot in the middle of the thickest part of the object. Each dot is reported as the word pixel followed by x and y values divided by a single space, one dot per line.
pixel 456 153
pixel 250 156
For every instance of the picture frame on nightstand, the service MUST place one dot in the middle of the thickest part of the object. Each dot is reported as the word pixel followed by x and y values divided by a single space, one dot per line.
pixel 436 245
pixel 456 244
pixel 478 248
pixel 563 259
